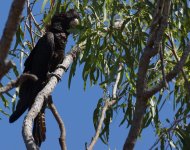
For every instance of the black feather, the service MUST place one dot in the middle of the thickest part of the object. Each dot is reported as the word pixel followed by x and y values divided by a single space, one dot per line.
pixel 46 55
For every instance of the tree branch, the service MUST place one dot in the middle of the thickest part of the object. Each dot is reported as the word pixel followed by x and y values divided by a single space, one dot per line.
pixel 17 82
pixel 105 108
pixel 39 100
pixel 178 67
pixel 5 66
pixel 168 130
pixel 30 23
pixel 8 33
pixel 62 138
pixel 158 26
pixel 177 59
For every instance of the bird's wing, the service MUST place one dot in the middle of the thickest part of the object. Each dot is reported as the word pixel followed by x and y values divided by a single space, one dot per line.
pixel 37 63
pixel 38 60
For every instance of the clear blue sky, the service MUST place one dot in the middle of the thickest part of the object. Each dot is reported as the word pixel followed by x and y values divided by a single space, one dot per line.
pixel 76 107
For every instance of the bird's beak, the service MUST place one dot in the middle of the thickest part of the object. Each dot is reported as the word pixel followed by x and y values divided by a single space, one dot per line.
pixel 74 23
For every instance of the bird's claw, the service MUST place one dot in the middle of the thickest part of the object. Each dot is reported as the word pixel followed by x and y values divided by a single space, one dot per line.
pixel 62 66
pixel 49 75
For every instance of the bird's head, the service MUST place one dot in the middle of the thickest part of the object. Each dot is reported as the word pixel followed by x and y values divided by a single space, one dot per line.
pixel 65 21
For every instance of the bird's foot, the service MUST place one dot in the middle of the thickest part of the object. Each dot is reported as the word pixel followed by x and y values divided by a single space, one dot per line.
pixel 62 66
pixel 49 75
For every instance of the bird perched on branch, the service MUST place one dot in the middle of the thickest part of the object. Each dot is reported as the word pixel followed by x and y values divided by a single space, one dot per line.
pixel 45 57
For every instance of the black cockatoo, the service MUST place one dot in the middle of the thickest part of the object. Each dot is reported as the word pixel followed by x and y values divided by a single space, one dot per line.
pixel 44 58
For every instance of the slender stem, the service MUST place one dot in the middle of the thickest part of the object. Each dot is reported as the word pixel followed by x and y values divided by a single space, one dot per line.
pixel 62 139
pixel 105 108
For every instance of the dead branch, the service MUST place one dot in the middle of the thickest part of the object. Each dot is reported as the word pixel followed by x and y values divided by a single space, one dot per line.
pixel 39 100
pixel 108 104
pixel 17 82
pixel 62 139
pixel 8 33
pixel 158 26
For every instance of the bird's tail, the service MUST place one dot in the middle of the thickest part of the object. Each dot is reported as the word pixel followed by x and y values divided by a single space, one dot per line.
pixel 20 109
pixel 27 92
pixel 39 129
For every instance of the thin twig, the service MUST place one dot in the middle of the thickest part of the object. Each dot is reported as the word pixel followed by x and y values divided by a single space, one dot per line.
pixel 17 82
pixel 33 18
pixel 62 139
pixel 30 22
pixel 172 127
pixel 98 131
pixel 161 52
pixel 28 27
pixel 8 33
pixel 5 67
pixel 105 108
pixel 172 74
pixel 177 59
pixel 36 24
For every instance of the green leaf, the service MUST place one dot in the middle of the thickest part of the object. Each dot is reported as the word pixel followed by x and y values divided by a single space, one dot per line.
pixel 43 5
pixel 3 112
pixel 72 72
pixel 48 17
pixel 5 101
pixel 15 71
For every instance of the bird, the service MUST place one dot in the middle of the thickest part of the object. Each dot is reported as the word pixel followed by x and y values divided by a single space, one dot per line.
pixel 47 54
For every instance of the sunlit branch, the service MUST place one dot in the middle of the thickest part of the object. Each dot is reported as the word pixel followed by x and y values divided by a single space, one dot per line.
pixel 105 108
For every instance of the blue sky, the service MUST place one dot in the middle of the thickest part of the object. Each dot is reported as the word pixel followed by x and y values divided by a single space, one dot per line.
pixel 76 107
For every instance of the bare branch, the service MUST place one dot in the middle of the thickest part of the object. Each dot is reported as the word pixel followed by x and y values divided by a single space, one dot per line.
pixel 17 82
pixel 8 33
pixel 105 108
pixel 98 131
pixel 39 100
pixel 114 93
pixel 28 27
pixel 62 140
pixel 158 26
pixel 34 20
